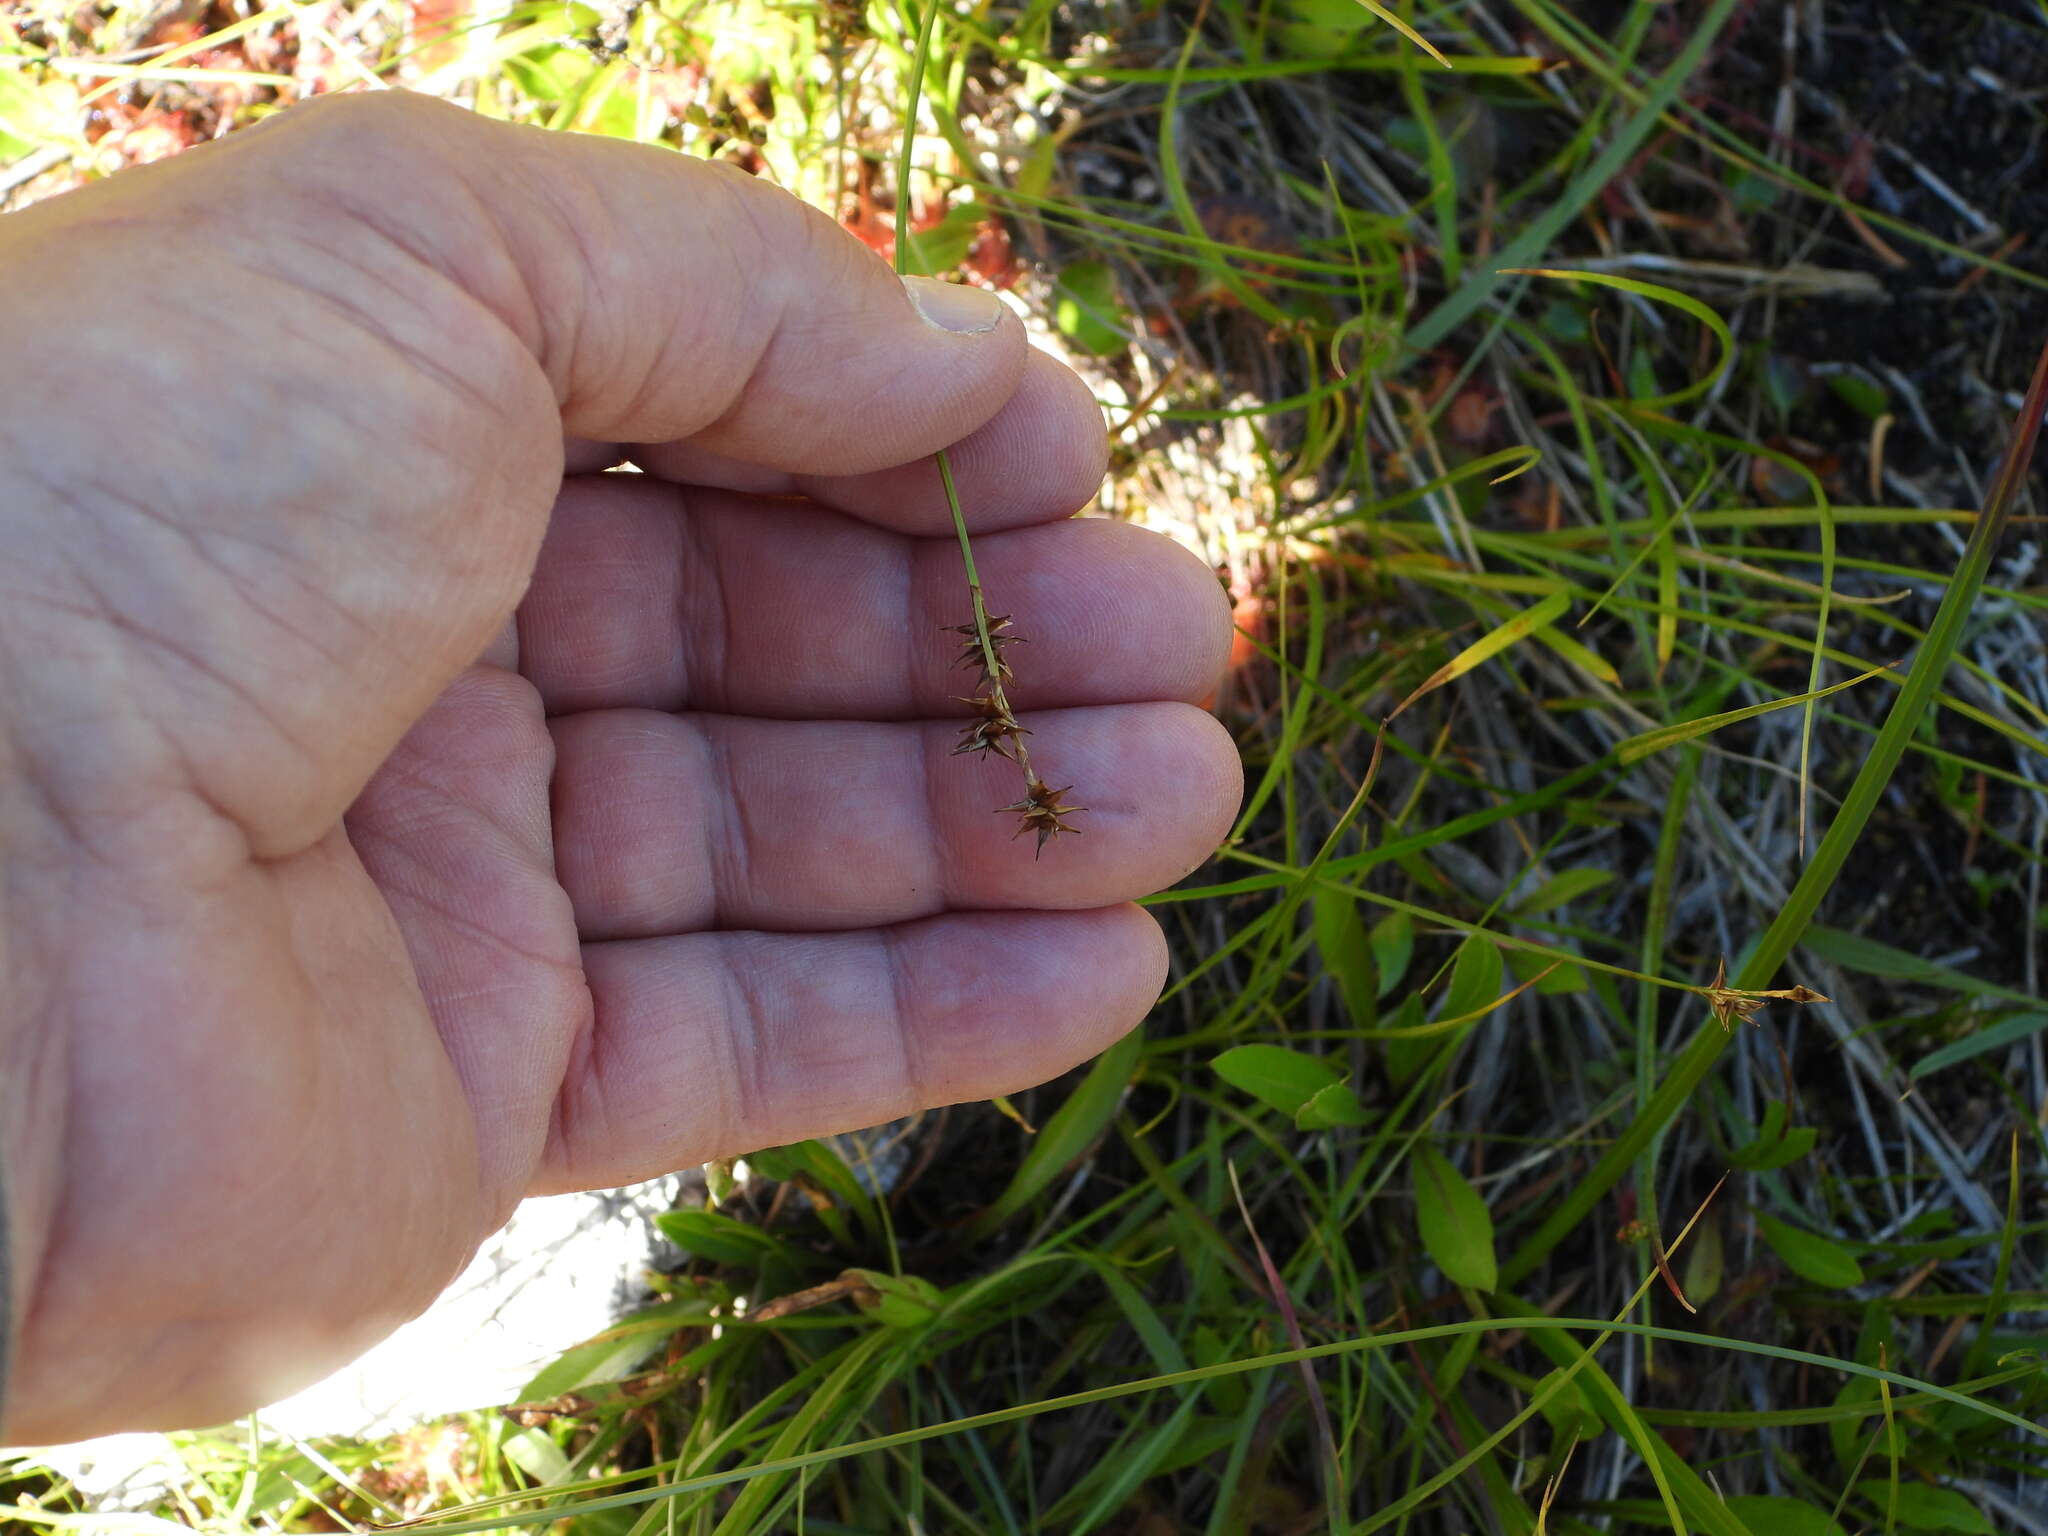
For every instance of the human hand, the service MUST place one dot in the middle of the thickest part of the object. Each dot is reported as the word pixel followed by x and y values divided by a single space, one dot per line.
pixel 398 819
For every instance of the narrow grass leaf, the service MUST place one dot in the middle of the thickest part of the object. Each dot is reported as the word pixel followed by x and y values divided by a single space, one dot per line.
pixel 1857 952
pixel 1490 645
pixel 1658 295
pixel 2007 1031
pixel 1457 1228
pixel 1406 31
pixel 1636 748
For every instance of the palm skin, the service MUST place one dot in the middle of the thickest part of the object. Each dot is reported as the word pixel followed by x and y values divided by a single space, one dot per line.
pixel 401 817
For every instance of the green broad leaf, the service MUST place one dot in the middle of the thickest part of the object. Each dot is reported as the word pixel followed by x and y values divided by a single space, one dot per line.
pixel 1035 168
pixel 1924 1507
pixel 1787 383
pixel 1562 889
pixel 1752 193
pixel 938 250
pixel 1642 375
pixel 1566 321
pixel 1768 1156
pixel 607 104
pixel 813 1162
pixel 720 1239
pixel 1703 1265
pixel 1347 954
pixel 1769 1515
pixel 1863 395
pixel 901 1301
pixel 1457 1228
pixel 1329 1107
pixel 1274 1075
pixel 1393 946
pixel 1852 1438
pixel 1406 1057
pixel 1568 1410
pixel 1088 310
pixel 1552 977
pixel 551 72
pixel 1809 1255
pixel 1992 1037
pixel 620 1349
pixel 35 115
pixel 1775 1143
pixel 1319 29
pixel 1071 1131
pixel 1475 977
pixel 536 1455
pixel 720 1183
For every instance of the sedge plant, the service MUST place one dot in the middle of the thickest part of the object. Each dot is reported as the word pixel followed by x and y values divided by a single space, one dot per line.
pixel 994 729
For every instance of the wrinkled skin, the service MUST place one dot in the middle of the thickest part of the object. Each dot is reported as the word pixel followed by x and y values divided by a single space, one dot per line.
pixel 398 818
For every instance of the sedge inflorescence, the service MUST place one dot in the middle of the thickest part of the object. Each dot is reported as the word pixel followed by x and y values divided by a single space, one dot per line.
pixel 994 728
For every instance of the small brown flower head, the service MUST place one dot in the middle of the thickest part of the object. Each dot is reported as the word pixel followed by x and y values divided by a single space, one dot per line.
pixel 995 730
pixel 970 647
pixel 1727 1004
pixel 1042 811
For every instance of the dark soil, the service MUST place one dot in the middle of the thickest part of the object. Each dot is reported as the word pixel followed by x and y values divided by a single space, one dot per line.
pixel 1892 97
pixel 1930 112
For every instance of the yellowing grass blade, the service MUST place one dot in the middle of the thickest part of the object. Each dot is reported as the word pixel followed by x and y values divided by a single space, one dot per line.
pixel 1520 627
pixel 1406 31
pixel 1636 748
pixel 1588 661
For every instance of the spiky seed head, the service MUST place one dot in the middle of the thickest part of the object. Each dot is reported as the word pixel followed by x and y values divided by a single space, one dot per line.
pixel 994 731
pixel 970 646
pixel 1043 812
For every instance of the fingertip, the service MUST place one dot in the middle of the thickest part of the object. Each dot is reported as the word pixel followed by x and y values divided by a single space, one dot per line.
pixel 1212 786
pixel 1140 939
pixel 1111 967
pixel 856 375
pixel 1189 588
pixel 1038 458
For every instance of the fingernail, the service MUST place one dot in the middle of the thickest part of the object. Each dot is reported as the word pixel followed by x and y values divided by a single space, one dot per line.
pixel 954 306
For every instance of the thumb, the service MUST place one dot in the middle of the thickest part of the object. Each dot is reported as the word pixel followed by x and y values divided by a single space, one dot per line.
pixel 666 297
pixel 342 412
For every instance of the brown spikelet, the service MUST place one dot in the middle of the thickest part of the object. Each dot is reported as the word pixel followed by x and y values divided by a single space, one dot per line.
pixel 995 730
pixel 970 647
pixel 1727 1004
pixel 1042 811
